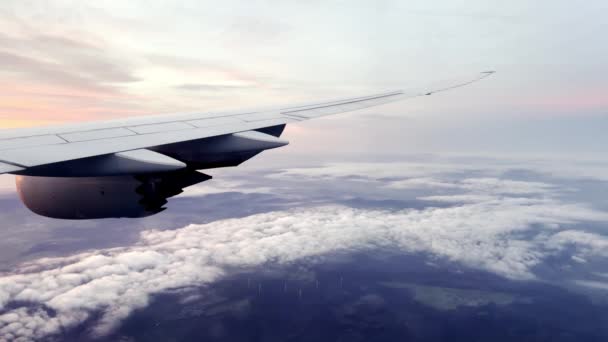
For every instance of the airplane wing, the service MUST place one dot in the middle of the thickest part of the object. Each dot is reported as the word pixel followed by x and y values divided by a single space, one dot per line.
pixel 167 143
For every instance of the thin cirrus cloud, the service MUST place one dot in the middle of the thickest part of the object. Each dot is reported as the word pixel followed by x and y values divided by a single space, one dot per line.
pixel 483 234
pixel 205 87
pixel 64 60
pixel 50 78
pixel 56 78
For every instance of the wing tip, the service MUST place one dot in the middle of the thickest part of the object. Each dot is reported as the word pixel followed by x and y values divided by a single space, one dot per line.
pixel 462 83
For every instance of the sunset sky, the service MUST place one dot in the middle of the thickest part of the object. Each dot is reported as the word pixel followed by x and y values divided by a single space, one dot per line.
pixel 67 61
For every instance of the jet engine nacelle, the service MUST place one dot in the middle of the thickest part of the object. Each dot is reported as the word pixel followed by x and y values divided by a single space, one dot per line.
pixel 103 197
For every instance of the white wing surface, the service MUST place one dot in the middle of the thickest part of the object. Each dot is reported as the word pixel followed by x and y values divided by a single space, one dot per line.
pixel 21 149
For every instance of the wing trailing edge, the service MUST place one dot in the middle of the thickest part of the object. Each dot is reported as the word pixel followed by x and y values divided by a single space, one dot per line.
pixel 9 168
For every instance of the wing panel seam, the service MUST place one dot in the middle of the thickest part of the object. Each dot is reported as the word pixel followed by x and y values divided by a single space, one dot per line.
pixel 13 163
pixel 62 138
pixel 130 130
pixel 342 103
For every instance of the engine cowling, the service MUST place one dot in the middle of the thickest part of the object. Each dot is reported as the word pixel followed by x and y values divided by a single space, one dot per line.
pixel 103 197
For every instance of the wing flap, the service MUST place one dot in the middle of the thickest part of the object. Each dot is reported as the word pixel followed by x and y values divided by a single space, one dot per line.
pixel 14 143
pixel 259 116
pixel 162 127
pixel 97 134
pixel 214 122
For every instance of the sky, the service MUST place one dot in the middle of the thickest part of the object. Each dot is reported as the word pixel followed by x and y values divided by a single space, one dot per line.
pixel 71 61
pixel 530 195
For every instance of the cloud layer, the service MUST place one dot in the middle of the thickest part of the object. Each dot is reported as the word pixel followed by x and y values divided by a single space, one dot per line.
pixel 484 220
pixel 62 292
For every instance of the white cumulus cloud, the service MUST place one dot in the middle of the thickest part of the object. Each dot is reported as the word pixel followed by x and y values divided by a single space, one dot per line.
pixel 116 281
